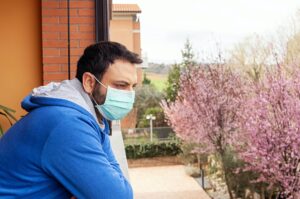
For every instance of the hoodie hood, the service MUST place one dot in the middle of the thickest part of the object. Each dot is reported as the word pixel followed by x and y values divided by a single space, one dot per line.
pixel 55 93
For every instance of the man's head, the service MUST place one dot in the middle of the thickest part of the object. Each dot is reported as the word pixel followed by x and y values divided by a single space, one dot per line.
pixel 112 64
pixel 97 58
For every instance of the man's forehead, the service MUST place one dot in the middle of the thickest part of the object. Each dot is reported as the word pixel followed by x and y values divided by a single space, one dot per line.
pixel 122 69
pixel 119 63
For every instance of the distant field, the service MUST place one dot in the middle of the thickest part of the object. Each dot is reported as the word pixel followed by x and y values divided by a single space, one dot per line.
pixel 158 80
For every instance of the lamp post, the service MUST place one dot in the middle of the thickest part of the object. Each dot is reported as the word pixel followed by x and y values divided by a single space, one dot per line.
pixel 151 117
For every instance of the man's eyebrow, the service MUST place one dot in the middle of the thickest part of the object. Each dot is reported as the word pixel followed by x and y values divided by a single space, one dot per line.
pixel 122 81
pixel 125 83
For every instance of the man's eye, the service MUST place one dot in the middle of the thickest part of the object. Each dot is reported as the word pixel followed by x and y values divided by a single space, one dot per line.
pixel 120 85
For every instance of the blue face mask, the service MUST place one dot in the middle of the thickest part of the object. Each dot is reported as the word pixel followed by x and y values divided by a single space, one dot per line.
pixel 118 103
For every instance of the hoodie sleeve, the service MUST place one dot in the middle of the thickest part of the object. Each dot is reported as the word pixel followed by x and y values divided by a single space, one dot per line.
pixel 76 156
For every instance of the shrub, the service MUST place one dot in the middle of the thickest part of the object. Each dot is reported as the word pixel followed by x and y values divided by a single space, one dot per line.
pixel 155 149
pixel 7 113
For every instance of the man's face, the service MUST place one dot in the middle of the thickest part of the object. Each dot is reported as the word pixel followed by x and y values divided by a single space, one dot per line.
pixel 120 75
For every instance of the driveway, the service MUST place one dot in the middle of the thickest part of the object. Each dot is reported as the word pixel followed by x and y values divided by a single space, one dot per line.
pixel 164 182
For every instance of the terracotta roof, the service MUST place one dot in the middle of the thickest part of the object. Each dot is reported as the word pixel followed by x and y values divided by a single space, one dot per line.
pixel 126 8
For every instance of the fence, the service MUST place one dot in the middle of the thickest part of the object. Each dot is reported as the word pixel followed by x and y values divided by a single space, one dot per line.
pixel 143 135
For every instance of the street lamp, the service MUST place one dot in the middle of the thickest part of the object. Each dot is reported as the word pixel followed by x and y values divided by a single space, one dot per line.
pixel 150 117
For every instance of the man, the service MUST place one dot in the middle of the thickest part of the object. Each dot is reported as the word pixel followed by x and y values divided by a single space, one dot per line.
pixel 61 147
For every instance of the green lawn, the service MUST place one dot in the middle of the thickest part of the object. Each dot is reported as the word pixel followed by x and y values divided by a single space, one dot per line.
pixel 158 80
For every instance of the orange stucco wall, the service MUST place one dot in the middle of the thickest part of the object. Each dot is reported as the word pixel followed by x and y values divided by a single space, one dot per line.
pixel 125 30
pixel 136 37
pixel 121 31
pixel 20 52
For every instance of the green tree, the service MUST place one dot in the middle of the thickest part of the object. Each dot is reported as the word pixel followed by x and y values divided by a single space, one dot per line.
pixel 172 83
pixel 158 113
pixel 188 61
pixel 147 96
pixel 146 80
pixel 188 55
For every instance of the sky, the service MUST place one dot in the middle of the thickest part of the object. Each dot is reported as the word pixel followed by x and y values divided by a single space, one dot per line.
pixel 209 24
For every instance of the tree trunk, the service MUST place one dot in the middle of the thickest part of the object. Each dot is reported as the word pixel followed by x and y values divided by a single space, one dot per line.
pixel 228 185
pixel 271 194
pixel 262 195
pixel 226 176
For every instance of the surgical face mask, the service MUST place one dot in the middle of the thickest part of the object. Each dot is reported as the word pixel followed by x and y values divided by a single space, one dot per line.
pixel 118 103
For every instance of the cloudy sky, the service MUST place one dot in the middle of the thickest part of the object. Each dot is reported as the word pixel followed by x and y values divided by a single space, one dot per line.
pixel 166 24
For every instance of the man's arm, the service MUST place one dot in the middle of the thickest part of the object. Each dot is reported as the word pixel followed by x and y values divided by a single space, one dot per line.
pixel 75 155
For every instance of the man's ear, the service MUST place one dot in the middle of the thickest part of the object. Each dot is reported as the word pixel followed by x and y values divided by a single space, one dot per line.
pixel 88 82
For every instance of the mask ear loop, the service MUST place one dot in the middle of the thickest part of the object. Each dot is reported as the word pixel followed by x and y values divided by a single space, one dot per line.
pixel 93 99
pixel 100 121
pixel 91 95
pixel 99 81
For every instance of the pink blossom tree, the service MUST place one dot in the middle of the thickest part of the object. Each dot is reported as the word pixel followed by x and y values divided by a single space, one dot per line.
pixel 206 109
pixel 271 132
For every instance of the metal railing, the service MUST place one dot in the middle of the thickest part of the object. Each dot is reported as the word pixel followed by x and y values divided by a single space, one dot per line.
pixel 143 135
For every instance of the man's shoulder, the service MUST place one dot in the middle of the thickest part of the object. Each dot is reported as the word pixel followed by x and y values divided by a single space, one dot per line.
pixel 59 118
pixel 59 111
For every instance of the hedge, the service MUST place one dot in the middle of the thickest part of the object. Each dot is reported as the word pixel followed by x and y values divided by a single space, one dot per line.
pixel 156 149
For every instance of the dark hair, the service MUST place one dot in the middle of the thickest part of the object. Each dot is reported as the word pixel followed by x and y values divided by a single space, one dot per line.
pixel 97 58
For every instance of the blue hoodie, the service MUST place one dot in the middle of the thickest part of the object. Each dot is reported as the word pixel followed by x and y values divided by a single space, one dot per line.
pixel 58 150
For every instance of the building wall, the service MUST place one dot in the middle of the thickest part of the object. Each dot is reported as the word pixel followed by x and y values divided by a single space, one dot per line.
pixel 136 37
pixel 55 36
pixel 137 47
pixel 38 55
pixel 125 30
pixel 121 31
pixel 20 52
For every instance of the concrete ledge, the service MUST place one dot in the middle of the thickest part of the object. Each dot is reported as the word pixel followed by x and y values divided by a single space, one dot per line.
pixel 165 182
pixel 171 195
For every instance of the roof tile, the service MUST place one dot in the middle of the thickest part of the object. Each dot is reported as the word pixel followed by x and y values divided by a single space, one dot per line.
pixel 126 8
